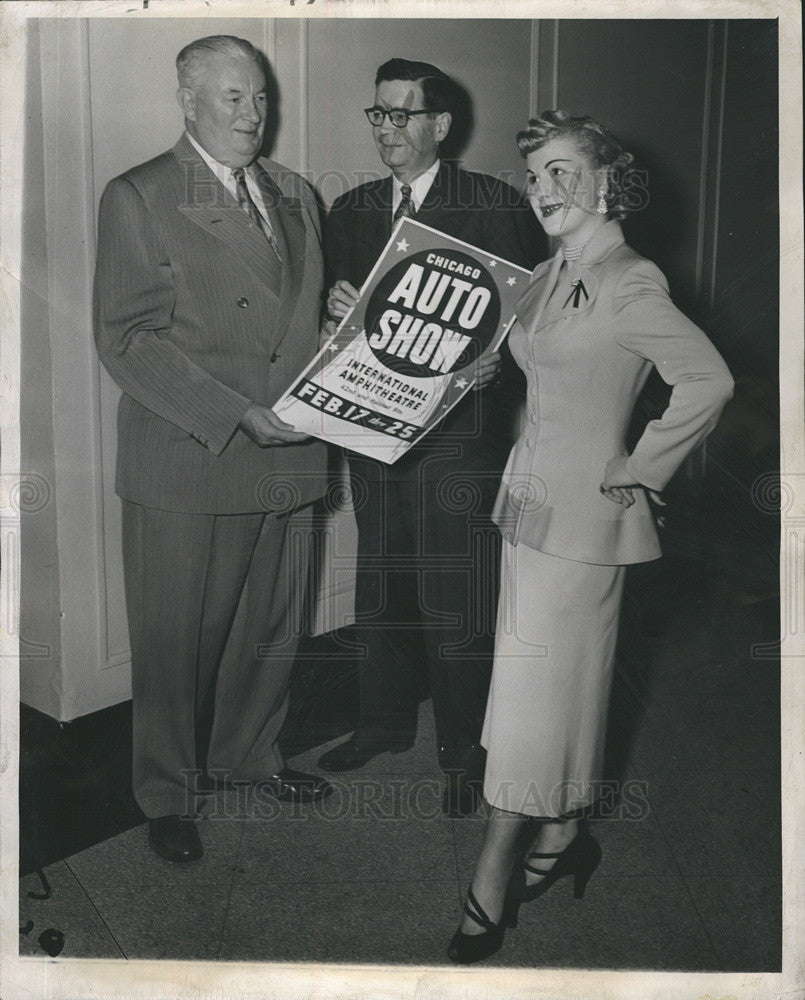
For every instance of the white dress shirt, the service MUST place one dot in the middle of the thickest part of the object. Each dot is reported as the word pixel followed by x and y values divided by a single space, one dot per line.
pixel 419 188
pixel 227 178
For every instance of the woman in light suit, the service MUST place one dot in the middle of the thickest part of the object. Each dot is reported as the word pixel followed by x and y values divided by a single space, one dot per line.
pixel 573 511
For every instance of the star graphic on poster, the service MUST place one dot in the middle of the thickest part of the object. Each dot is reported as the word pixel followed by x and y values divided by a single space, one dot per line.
pixel 461 383
pixel 402 245
pixel 332 346
pixel 493 263
pixel 511 281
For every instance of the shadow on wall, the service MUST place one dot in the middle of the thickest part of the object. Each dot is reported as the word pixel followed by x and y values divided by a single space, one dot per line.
pixel 273 107
pixel 462 127
pixel 661 219
pixel 452 149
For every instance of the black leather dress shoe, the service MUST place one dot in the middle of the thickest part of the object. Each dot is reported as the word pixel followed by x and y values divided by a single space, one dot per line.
pixel 462 796
pixel 360 748
pixel 175 838
pixel 296 786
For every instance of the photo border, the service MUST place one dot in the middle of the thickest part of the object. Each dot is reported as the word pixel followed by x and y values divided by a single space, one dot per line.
pixel 85 979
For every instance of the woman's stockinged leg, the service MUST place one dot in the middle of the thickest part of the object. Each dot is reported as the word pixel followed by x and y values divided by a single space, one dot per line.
pixel 493 870
pixel 552 837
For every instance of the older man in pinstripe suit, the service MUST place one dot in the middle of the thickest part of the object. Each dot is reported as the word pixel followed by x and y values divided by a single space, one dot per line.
pixel 207 297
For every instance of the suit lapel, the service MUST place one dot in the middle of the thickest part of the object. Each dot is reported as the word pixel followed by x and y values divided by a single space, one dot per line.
pixel 375 227
pixel 579 291
pixel 574 297
pixel 234 228
pixel 531 306
pixel 444 197
pixel 207 204
pixel 285 214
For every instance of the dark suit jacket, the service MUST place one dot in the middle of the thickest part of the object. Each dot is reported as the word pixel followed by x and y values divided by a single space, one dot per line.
pixel 479 210
pixel 190 306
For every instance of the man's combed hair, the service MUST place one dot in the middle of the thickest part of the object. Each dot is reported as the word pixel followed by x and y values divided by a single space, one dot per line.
pixel 191 58
pixel 601 145
pixel 437 87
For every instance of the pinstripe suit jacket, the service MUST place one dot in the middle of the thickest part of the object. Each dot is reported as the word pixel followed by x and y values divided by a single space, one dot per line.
pixel 191 305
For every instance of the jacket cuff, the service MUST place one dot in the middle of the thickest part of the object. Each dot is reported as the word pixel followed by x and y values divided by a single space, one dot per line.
pixel 224 422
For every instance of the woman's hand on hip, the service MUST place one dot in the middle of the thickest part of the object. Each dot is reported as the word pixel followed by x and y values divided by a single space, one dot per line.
pixel 619 486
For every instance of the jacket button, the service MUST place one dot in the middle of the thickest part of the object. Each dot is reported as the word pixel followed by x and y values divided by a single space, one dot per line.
pixel 243 303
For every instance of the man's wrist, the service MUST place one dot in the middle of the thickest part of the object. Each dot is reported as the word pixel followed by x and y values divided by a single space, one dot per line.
pixel 246 417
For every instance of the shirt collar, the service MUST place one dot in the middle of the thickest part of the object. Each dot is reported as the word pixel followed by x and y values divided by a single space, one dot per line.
pixel 221 170
pixel 227 177
pixel 419 186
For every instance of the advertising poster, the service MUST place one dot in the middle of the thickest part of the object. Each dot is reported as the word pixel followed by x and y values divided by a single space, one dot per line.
pixel 406 353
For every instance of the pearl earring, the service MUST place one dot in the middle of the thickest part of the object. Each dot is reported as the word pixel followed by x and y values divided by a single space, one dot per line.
pixel 602 202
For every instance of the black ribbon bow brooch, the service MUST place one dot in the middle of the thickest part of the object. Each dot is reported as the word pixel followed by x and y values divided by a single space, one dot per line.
pixel 576 294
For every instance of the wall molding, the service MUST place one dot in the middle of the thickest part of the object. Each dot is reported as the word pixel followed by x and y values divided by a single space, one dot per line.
pixel 720 72
pixel 711 162
pixel 544 76
pixel 533 81
pixel 88 646
pixel 304 93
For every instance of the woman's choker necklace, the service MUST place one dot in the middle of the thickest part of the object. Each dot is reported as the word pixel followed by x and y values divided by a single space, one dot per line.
pixel 572 253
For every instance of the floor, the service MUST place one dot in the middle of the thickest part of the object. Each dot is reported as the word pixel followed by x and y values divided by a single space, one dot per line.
pixel 691 872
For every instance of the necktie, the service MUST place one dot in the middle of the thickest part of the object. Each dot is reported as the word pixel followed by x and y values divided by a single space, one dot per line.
pixel 249 207
pixel 405 210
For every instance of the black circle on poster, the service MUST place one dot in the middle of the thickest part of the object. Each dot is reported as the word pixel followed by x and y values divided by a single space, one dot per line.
pixel 444 319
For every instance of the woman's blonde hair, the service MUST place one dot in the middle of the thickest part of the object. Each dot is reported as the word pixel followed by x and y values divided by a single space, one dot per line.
pixel 601 145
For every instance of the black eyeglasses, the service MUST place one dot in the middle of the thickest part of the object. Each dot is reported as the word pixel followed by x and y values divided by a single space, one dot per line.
pixel 397 116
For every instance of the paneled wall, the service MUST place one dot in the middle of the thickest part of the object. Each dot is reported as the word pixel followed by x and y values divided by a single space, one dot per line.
pixel 675 90
pixel 744 258
pixel 647 80
pixel 39 629
pixel 696 103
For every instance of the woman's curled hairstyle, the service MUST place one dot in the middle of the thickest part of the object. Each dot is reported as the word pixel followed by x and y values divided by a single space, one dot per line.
pixel 601 145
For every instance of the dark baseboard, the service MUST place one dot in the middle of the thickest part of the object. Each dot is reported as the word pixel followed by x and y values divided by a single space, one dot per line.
pixel 75 777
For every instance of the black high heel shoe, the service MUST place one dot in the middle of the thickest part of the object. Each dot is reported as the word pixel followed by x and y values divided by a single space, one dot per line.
pixel 580 859
pixel 465 949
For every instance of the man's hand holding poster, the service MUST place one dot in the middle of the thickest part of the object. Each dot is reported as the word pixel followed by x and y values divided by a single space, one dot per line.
pixel 407 351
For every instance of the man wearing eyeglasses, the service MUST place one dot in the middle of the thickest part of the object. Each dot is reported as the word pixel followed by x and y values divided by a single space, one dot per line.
pixel 427 550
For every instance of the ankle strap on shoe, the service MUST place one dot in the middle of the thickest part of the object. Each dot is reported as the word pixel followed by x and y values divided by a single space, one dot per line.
pixel 479 916
pixel 539 871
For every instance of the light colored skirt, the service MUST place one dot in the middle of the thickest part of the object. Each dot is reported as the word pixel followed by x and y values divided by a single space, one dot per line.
pixel 546 715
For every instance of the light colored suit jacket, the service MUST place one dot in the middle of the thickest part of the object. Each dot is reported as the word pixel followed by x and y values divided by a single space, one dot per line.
pixel 196 319
pixel 587 351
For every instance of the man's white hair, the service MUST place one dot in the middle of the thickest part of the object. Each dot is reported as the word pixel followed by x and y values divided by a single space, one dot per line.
pixel 190 61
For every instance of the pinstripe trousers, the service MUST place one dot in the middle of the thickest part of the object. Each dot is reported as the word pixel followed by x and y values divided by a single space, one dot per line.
pixel 216 604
